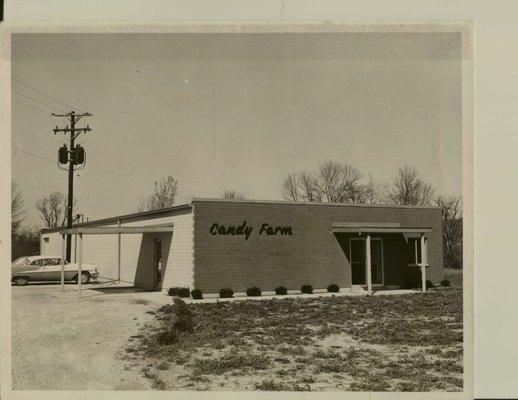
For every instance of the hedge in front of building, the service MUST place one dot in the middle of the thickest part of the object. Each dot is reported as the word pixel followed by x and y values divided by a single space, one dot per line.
pixel 178 291
pixel 333 288
pixel 307 289
pixel 281 291
pixel 254 291
pixel 226 293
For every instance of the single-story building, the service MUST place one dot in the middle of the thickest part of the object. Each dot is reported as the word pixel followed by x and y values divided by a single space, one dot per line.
pixel 210 244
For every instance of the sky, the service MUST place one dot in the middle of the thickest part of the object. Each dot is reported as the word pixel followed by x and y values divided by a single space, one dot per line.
pixel 232 111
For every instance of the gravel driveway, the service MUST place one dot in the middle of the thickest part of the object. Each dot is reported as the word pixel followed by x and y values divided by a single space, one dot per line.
pixel 61 342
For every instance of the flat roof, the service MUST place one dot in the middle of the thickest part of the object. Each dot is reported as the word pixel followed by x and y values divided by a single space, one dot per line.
pixel 122 217
pixel 305 203
pixel 208 199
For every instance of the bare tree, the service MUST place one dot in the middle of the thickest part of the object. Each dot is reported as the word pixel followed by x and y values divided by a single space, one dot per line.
pixel 374 192
pixel 309 187
pixel 409 189
pixel 25 243
pixel 17 210
pixel 232 195
pixel 333 182
pixel 330 181
pixel 451 215
pixel 163 196
pixel 339 182
pixel 290 187
pixel 53 209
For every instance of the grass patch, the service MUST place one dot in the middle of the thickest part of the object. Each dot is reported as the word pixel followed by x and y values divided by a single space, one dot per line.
pixel 356 343
pixel 230 362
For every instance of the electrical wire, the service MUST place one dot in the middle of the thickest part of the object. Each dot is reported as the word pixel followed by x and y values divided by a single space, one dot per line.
pixel 34 108
pixel 38 101
pixel 33 155
pixel 31 187
pixel 47 96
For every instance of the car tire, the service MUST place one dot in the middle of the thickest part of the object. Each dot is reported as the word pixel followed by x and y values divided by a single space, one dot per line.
pixel 21 281
pixel 85 278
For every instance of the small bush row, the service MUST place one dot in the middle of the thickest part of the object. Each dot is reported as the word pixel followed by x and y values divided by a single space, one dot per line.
pixel 418 285
pixel 183 292
pixel 253 291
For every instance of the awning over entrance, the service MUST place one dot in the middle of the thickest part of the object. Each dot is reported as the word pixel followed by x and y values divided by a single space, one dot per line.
pixel 104 230
pixel 367 228
pixel 376 227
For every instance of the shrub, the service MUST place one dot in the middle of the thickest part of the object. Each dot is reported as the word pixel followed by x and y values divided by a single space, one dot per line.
pixel 445 282
pixel 417 285
pixel 254 291
pixel 281 291
pixel 178 291
pixel 167 336
pixel 333 288
pixel 308 289
pixel 409 285
pixel 226 293
pixel 196 294
pixel 183 321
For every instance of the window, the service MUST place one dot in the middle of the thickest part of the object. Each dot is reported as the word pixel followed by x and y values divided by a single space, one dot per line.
pixel 414 250
pixel 21 261
pixel 46 239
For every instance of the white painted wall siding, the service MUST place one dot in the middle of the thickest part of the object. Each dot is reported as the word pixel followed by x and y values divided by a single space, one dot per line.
pixel 180 263
pixel 52 247
pixel 137 251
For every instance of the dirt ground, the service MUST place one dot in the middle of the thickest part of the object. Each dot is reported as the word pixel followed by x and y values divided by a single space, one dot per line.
pixel 61 342
pixel 407 342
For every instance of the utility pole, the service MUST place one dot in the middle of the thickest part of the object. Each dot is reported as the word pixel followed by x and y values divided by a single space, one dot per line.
pixel 75 156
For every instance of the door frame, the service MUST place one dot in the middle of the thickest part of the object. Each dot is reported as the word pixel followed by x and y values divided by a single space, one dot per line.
pixel 157 285
pixel 375 238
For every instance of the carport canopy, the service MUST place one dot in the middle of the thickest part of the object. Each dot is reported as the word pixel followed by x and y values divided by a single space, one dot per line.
pixel 386 227
pixel 104 230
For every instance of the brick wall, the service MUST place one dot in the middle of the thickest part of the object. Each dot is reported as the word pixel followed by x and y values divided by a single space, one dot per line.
pixel 313 254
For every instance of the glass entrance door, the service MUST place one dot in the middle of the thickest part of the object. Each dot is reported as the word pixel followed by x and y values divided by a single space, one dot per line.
pixel 376 262
pixel 158 263
pixel 359 262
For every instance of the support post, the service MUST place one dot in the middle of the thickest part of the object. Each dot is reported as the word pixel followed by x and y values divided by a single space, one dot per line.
pixel 119 253
pixel 63 254
pixel 80 263
pixel 424 262
pixel 368 262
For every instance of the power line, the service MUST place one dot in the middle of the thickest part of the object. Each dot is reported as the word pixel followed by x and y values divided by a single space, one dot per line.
pixel 32 187
pixel 37 101
pixel 33 155
pixel 34 108
pixel 43 94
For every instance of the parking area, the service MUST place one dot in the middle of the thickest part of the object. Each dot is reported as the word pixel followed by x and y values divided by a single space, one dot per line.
pixel 63 342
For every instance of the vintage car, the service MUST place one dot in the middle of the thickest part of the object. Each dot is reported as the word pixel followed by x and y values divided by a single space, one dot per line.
pixel 48 268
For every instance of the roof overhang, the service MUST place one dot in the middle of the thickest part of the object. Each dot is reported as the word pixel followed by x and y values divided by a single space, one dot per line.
pixel 376 227
pixel 108 230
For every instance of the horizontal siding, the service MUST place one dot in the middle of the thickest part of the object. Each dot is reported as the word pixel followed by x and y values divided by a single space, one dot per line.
pixel 137 251
pixel 54 245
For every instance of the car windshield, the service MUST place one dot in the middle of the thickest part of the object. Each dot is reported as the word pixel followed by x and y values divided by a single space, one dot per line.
pixel 21 261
